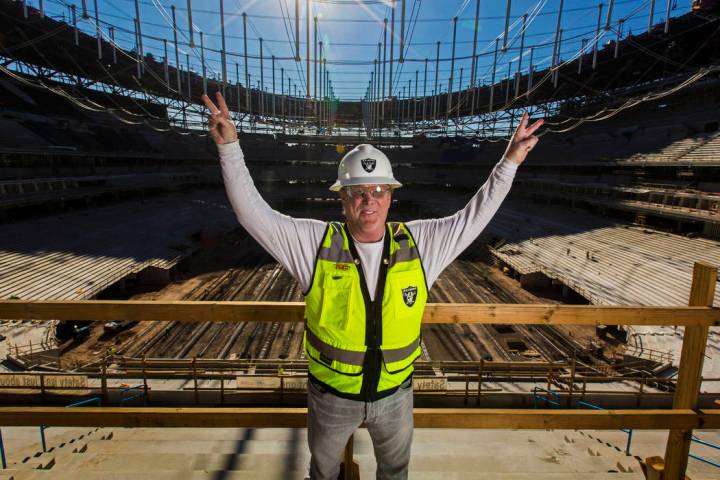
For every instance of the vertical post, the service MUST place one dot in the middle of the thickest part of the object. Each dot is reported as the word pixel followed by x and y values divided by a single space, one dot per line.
pixel 262 80
pixel 42 9
pixel 556 51
pixel 307 46
pixel 282 97
pixel 384 62
pixel 530 73
pixel 195 382
pixel 474 51
pixel 372 98
pixel 166 70
pixel 103 381
pixel 608 20
pixel 452 71
pixel 597 36
pixel 617 40
pixel 480 374
pixel 138 58
pixel 97 31
pixel 222 45
pixel 402 33
pixel 42 387
pixel 437 71
pixel 651 15
pixel 177 52
pixel 392 47
pixel 141 53
pixel 112 42
pixel 557 71
pixel 522 42
pixel 326 90
pixel 202 63
pixel 145 382
pixel 459 100
pixel 190 24
pixel 273 90
pixel 492 79
pixel 667 17
pixel 424 90
pixel 187 63
pixel 702 294
pixel 474 88
pixel 247 77
pixel 222 390
pixel 297 30
pixel 549 376
pixel 573 368
pixel 75 27
pixel 237 85
pixel 315 67
pixel 407 99
pixel 507 26
pixel 415 97
pixel 507 85
pixel 582 55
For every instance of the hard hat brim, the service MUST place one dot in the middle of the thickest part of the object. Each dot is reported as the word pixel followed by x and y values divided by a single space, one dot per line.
pixel 335 187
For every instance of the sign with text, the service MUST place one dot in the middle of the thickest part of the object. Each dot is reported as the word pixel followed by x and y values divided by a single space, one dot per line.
pixel 64 384
pixel 272 383
pixel 430 384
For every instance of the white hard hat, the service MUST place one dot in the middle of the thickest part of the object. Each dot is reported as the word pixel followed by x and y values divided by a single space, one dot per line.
pixel 364 165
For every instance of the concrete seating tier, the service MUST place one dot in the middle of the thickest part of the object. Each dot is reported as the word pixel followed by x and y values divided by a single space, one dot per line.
pixel 159 454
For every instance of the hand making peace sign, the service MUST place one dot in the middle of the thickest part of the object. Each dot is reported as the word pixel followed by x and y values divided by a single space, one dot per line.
pixel 221 127
pixel 522 140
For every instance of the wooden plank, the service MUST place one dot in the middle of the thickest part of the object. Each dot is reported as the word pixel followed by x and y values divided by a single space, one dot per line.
pixel 470 313
pixel 687 389
pixel 296 418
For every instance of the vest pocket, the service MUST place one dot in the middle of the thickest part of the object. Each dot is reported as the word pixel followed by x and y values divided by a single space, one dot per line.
pixel 406 297
pixel 337 299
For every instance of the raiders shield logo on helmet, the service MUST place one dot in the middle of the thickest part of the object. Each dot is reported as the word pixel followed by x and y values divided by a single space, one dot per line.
pixel 368 164
pixel 409 295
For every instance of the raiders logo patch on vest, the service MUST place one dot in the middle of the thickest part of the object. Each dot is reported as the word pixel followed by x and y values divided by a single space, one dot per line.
pixel 409 295
pixel 368 164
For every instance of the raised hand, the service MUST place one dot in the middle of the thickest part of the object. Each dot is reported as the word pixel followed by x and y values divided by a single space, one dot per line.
pixel 522 140
pixel 221 127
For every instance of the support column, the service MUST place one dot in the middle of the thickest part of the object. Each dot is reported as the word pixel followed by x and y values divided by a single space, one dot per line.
pixel 702 294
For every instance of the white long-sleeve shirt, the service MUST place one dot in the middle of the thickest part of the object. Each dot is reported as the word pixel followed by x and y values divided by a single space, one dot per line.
pixel 293 242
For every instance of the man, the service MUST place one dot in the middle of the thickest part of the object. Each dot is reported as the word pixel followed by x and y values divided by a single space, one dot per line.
pixel 365 284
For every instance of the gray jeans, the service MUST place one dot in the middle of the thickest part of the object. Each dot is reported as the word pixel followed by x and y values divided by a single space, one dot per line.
pixel 331 421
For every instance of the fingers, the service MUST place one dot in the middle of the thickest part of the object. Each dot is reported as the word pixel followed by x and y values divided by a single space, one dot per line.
pixel 209 104
pixel 523 121
pixel 223 106
pixel 531 129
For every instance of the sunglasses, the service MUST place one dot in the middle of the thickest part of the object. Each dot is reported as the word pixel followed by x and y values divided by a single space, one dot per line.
pixel 377 191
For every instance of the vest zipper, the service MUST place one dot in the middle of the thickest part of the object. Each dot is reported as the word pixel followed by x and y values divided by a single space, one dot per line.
pixel 373 319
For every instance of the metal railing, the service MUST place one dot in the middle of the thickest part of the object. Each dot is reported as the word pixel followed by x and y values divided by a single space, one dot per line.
pixel 625 430
pixel 707 444
pixel 88 401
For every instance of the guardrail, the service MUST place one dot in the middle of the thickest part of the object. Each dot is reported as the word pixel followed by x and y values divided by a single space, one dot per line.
pixel 625 430
pixel 72 405
pixel 680 420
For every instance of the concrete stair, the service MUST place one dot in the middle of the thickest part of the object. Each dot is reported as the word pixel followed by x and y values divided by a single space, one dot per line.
pixel 244 454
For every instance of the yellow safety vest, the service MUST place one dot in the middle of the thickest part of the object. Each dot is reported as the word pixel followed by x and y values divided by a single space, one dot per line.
pixel 357 348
